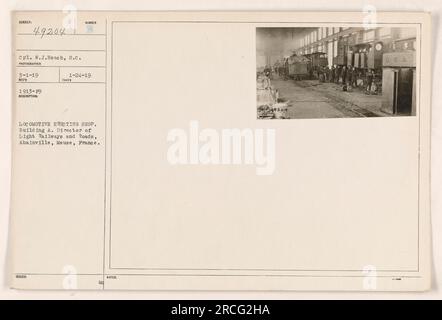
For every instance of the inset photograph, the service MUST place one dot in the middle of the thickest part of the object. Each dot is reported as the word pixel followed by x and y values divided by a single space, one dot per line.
pixel 335 72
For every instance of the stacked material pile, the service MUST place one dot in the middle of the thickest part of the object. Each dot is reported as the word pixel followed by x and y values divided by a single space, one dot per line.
pixel 268 103
pixel 265 92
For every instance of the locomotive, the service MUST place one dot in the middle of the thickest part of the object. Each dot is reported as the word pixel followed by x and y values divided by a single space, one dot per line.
pixel 318 60
pixel 302 67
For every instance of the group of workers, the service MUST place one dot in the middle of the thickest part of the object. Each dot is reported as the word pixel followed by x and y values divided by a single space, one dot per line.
pixel 348 77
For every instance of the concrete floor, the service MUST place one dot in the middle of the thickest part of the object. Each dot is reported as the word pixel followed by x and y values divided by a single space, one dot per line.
pixel 314 99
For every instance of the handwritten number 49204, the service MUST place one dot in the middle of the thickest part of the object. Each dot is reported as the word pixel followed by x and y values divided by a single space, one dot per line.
pixel 43 31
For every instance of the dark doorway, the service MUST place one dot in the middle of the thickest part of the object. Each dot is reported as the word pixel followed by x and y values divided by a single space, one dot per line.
pixel 404 91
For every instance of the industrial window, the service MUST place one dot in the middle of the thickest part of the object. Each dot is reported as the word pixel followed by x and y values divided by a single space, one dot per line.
pixel 330 53
pixel 368 35
pixel 384 32
pixel 407 32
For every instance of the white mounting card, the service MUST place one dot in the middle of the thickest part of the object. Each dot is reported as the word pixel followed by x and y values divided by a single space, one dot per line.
pixel 221 151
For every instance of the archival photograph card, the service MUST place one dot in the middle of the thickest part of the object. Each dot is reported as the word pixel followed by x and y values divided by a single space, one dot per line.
pixel 221 151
